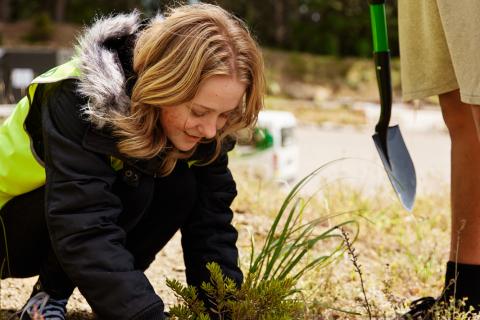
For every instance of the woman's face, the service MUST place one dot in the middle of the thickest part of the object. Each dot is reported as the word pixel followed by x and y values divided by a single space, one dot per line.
pixel 187 123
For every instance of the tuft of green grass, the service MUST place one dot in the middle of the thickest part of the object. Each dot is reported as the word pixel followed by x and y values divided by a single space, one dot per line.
pixel 271 289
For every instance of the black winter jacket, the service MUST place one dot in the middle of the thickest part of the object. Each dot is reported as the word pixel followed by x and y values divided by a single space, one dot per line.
pixel 87 220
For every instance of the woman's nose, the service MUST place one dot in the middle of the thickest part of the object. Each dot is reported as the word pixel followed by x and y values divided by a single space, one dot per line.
pixel 209 128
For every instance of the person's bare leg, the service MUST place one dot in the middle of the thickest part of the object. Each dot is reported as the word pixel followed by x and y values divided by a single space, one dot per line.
pixel 462 272
pixel 465 179
pixel 476 118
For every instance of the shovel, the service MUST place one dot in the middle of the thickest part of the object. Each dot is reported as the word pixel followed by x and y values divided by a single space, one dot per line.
pixel 388 140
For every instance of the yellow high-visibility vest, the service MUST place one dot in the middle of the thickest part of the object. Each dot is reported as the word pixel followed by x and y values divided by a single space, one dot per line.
pixel 21 170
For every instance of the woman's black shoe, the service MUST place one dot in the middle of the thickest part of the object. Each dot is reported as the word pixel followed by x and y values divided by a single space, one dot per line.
pixel 420 309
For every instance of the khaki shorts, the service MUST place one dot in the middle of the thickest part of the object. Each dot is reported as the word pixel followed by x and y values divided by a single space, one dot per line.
pixel 440 48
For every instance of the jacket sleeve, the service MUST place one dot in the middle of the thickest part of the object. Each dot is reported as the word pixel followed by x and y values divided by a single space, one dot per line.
pixel 82 213
pixel 209 235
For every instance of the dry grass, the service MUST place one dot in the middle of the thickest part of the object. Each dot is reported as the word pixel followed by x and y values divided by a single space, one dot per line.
pixel 312 113
pixel 401 255
pixel 14 34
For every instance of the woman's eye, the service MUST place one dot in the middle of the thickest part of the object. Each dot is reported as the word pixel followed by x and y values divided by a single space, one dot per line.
pixel 198 113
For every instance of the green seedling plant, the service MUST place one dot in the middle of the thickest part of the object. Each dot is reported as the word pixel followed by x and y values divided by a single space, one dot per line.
pixel 270 289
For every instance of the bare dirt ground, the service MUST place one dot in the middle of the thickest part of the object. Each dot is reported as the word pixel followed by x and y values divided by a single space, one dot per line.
pixel 322 145
pixel 168 264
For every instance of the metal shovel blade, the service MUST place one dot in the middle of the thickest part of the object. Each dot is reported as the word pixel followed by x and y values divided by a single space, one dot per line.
pixel 398 165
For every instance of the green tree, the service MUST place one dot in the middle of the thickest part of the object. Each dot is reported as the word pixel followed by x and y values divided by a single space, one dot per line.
pixel 334 27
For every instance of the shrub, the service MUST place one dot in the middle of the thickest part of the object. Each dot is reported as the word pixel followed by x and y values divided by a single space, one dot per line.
pixel 42 28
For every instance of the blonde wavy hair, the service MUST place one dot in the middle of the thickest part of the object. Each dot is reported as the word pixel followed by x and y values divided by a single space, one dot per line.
pixel 172 58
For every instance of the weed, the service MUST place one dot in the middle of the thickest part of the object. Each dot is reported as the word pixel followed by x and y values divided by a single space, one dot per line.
pixel 269 300
pixel 354 259
pixel 387 291
pixel 270 289
pixel 453 310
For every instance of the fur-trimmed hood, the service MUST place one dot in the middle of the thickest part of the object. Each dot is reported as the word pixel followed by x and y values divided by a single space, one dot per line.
pixel 103 79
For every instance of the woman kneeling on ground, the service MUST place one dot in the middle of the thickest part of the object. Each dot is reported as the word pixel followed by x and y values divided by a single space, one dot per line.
pixel 125 145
